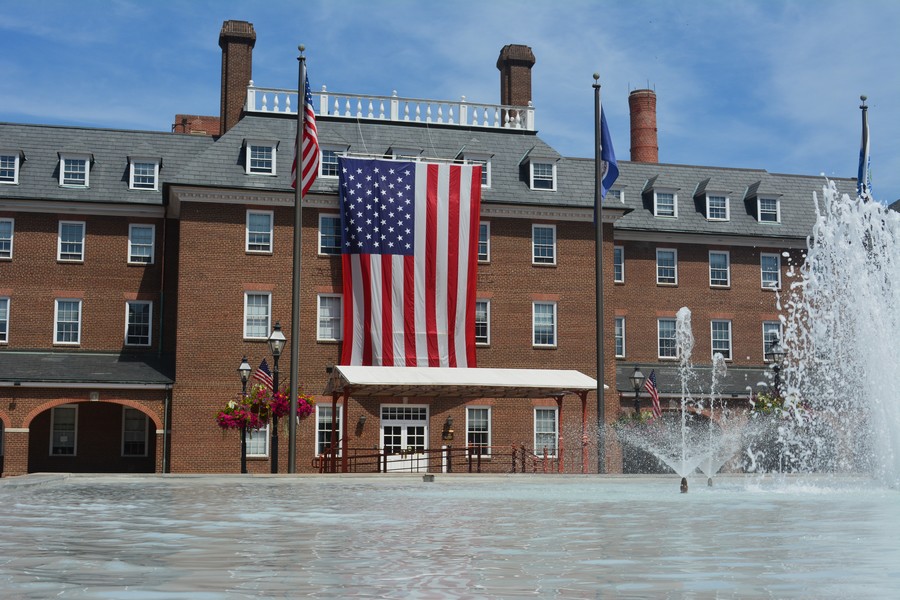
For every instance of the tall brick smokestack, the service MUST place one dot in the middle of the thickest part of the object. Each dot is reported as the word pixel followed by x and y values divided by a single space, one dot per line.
pixel 236 39
pixel 644 143
pixel 515 64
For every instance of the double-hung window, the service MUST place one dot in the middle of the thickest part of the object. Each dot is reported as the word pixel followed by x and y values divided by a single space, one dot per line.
pixel 67 322
pixel 620 337
pixel 666 338
pixel 329 234
pixel 70 246
pixel 134 432
pixel 665 204
pixel 324 427
pixel 259 230
pixel 261 157
pixel 329 318
pixel 258 441
pixel 717 208
pixel 543 176
pixel 544 324
pixel 328 163
pixel 721 338
pixel 144 174
pixel 770 271
pixel 769 210
pixel 141 242
pixel 9 167
pixel 619 264
pixel 478 429
pixel 485 162
pixel 257 312
pixel 545 431
pixel 74 170
pixel 4 320
pixel 484 242
pixel 63 430
pixel 666 266
pixel 719 268
pixel 543 244
pixel 7 226
pixel 138 317
pixel 771 332
pixel 482 322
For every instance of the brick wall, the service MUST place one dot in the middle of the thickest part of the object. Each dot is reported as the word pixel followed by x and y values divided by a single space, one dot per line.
pixel 644 141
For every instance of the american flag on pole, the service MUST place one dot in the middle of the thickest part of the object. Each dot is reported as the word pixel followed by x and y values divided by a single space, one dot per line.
pixel 264 376
pixel 409 235
pixel 650 386
pixel 309 144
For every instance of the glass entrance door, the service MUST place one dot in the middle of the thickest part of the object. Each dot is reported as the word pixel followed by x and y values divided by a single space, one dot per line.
pixel 404 437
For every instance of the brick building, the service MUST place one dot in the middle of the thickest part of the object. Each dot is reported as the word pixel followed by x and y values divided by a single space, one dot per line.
pixel 137 268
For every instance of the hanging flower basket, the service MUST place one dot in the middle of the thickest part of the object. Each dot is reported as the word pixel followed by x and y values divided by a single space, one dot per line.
pixel 280 405
pixel 256 408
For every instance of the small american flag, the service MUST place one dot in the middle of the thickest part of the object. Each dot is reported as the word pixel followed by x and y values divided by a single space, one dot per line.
pixel 650 386
pixel 263 375
pixel 310 147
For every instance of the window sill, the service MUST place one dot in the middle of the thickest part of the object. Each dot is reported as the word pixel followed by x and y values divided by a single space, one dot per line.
pixel 535 347
pixel 64 261
pixel 328 342
pixel 260 252
pixel 534 264
pixel 663 284
pixel 719 287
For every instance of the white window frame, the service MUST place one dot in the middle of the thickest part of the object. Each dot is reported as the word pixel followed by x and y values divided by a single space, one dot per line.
pixel 255 438
pixel 539 449
pixel 712 339
pixel 534 325
pixel 81 243
pixel 321 420
pixel 618 264
pixel 542 177
pixel 656 211
pixel 620 336
pixel 4 255
pixel 128 322
pixel 249 168
pixel 16 161
pixel 485 161
pixel 337 151
pixel 339 318
pixel 56 340
pixel 617 194
pixel 332 250
pixel 542 260
pixel 125 410
pixel 484 257
pixel 4 319
pixel 64 159
pixel 74 443
pixel 137 259
pixel 469 432
pixel 759 210
pixel 265 248
pixel 762 271
pixel 659 339
pixel 135 161
pixel 674 252
pixel 717 284
pixel 247 316
pixel 487 322
pixel 727 207
pixel 766 342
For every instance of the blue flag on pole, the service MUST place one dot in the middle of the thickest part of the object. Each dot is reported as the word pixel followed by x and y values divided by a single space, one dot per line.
pixel 609 169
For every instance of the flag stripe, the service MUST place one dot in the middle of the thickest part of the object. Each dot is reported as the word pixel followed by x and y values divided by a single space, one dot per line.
pixel 309 145
pixel 453 224
pixel 386 310
pixel 431 259
pixel 409 309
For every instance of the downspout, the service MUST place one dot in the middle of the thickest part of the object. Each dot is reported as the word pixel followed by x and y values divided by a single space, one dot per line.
pixel 167 418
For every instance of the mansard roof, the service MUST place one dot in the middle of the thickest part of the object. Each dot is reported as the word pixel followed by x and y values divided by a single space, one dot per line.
pixel 110 151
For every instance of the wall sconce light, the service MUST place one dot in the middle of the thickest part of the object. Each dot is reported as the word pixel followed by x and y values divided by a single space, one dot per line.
pixel 447 434
pixel 362 420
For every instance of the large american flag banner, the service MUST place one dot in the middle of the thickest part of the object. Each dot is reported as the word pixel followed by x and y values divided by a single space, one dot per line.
pixel 409 238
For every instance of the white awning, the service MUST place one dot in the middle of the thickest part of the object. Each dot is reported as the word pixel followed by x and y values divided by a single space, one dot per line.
pixel 456 383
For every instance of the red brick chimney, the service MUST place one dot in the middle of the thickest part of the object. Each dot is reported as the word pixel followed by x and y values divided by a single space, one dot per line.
pixel 515 64
pixel 236 39
pixel 644 143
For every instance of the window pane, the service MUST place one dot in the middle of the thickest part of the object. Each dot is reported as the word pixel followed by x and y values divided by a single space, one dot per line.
pixel 144 175
pixel 620 336
pixel 140 244
pixel 666 266
pixel 718 268
pixel 134 436
pixel 329 318
pixel 258 441
pixel 484 242
pixel 768 210
pixel 6 238
pixel 543 244
pixel 7 168
pixel 68 321
pixel 478 434
pixel 545 431
pixel 4 319
pixel 771 334
pixel 71 241
pixel 667 347
pixel 544 324
pixel 482 322
pixel 329 234
pixel 618 264
pixel 718 208
pixel 257 316
pixel 665 205
pixel 721 338
pixel 770 266
pixel 138 329
pixel 261 159
pixel 75 171
pixel 329 163
pixel 323 427
pixel 259 232
pixel 62 437
pixel 542 176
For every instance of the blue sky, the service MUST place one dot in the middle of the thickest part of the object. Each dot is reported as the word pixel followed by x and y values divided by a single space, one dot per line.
pixel 758 84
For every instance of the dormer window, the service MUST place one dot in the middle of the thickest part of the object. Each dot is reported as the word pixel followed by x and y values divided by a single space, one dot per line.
pixel 74 170
pixel 665 203
pixel 9 167
pixel 615 196
pixel 144 174
pixel 769 210
pixel 406 154
pixel 260 157
pixel 485 162
pixel 543 176
pixel 328 164
pixel 717 207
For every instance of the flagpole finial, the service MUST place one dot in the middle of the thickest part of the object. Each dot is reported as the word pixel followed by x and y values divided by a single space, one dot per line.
pixel 863 98
pixel 301 48
pixel 597 80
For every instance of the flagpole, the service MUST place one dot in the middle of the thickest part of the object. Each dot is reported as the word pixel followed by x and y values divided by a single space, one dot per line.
pixel 295 287
pixel 863 190
pixel 598 278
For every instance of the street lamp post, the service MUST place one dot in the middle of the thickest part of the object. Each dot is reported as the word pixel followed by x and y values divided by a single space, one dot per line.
pixel 776 354
pixel 637 382
pixel 276 345
pixel 244 371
